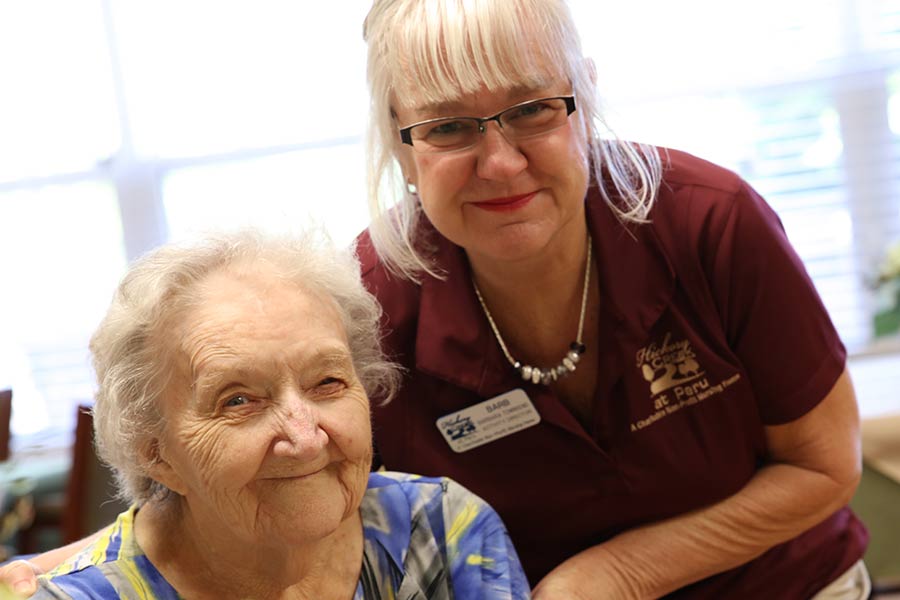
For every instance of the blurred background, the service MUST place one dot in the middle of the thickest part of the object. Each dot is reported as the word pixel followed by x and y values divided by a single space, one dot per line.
pixel 127 123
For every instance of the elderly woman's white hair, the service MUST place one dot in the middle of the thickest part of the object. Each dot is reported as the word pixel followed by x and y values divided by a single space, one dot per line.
pixel 130 352
pixel 433 51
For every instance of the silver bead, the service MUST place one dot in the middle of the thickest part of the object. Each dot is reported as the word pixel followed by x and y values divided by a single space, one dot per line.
pixel 526 372
pixel 568 364
pixel 573 356
pixel 545 376
pixel 562 371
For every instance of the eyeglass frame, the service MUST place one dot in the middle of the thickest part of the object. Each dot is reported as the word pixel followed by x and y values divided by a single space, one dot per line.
pixel 406 137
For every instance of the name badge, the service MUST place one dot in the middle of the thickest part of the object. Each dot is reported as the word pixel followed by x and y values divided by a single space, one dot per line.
pixel 487 421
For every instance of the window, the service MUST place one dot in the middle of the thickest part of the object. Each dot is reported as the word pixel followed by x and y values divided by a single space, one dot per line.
pixel 130 123
pixel 124 124
pixel 61 247
pixel 61 253
pixel 58 112
pixel 798 104
pixel 324 185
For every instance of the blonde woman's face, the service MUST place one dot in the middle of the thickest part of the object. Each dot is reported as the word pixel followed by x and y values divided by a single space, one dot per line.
pixel 268 434
pixel 501 199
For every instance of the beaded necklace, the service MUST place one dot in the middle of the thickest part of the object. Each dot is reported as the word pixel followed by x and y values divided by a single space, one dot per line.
pixel 567 365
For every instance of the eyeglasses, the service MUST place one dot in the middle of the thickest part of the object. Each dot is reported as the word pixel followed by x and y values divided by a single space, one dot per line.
pixel 524 120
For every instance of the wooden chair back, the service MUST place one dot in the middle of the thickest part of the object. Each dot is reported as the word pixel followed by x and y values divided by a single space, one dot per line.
pixel 91 501
pixel 5 418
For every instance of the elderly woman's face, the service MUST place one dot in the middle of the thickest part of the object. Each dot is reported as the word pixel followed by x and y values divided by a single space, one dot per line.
pixel 501 199
pixel 267 426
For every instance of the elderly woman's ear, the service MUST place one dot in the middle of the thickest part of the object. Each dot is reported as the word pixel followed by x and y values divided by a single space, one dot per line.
pixel 159 469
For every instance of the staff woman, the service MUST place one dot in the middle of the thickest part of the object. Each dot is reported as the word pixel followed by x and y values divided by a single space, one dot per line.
pixel 675 412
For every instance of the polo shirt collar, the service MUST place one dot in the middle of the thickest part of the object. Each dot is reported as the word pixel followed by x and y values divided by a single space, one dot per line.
pixel 455 343
pixel 637 279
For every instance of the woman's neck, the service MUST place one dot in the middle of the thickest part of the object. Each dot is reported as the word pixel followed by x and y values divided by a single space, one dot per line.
pixel 560 260
pixel 204 563
pixel 537 303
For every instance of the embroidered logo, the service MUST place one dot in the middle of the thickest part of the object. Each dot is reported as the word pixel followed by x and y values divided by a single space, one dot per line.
pixel 668 364
pixel 676 379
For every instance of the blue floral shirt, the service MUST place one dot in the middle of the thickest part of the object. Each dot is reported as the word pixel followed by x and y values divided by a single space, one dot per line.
pixel 425 538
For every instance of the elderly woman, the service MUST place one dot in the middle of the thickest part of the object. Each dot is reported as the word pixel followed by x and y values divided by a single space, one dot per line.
pixel 233 380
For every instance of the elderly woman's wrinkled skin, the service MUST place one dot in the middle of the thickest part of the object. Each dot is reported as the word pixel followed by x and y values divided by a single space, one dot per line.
pixel 265 415
pixel 267 442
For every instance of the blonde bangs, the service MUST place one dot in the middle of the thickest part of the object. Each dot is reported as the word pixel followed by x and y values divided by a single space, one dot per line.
pixel 430 52
pixel 446 49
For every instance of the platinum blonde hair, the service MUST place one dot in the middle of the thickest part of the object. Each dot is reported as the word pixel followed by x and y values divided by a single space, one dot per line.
pixel 132 358
pixel 435 51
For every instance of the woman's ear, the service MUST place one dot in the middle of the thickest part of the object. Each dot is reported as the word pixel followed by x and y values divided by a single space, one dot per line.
pixel 160 469
pixel 407 163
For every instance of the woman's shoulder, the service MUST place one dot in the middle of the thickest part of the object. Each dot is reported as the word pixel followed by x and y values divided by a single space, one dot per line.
pixel 694 196
pixel 393 291
pixel 365 251
pixel 412 486
pixel 422 497
pixel 434 520
pixel 112 564
pixel 114 542
pixel 699 200
pixel 682 169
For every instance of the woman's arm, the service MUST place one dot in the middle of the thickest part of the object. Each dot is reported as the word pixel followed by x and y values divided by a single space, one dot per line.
pixel 22 575
pixel 814 468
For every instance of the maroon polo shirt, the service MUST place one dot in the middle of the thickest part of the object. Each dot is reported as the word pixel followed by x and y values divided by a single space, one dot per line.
pixel 710 329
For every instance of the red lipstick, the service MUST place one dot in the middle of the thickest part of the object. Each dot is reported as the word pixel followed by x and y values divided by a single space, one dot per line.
pixel 508 203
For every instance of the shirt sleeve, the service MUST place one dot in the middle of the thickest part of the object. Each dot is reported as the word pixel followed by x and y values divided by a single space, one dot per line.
pixel 483 563
pixel 773 317
pixel 87 584
pixel 43 593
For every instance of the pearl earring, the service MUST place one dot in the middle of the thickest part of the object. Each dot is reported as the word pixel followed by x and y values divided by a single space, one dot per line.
pixel 411 187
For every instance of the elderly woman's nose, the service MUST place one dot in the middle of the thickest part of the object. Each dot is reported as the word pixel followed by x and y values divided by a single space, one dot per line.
pixel 299 433
pixel 498 157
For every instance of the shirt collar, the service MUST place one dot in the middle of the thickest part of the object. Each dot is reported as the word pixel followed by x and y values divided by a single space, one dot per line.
pixel 637 279
pixel 387 517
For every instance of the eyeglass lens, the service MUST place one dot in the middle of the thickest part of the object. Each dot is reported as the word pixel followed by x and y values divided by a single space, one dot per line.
pixel 521 121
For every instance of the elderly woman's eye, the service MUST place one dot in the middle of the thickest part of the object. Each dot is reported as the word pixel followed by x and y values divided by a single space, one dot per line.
pixel 330 382
pixel 238 400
